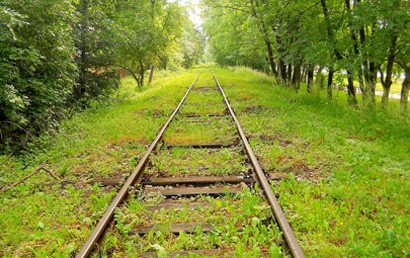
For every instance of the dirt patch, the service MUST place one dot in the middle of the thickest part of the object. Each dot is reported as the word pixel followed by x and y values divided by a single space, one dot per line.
pixel 105 167
pixel 273 138
pixel 153 98
pixel 129 142
pixel 275 176
pixel 157 113
pixel 242 99
pixel 267 138
pixel 148 112
pixel 205 89
pixel 256 110
pixel 300 169
pixel 284 143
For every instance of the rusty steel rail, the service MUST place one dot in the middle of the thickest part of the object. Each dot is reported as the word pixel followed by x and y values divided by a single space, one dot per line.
pixel 288 234
pixel 109 213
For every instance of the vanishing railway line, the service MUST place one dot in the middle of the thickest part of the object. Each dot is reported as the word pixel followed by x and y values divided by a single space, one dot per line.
pixel 190 194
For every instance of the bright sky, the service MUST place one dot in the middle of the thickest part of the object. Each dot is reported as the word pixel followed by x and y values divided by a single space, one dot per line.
pixel 194 11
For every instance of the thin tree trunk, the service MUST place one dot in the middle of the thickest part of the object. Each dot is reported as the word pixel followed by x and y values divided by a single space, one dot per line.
pixel 310 74
pixel 151 74
pixel 264 30
pixel 353 35
pixel 142 71
pixel 270 57
pixel 361 83
pixel 371 83
pixel 389 71
pixel 282 70
pixel 405 87
pixel 370 70
pixel 296 76
pixel 331 36
pixel 351 89
pixel 330 83
pixel 289 72
pixel 135 78
pixel 303 77
pixel 131 72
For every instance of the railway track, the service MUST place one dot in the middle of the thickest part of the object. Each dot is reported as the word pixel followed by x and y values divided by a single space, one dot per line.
pixel 198 191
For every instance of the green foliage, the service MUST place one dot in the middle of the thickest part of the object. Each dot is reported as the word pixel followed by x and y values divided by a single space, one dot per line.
pixel 345 194
pixel 36 66
pixel 234 35
pixel 61 56
pixel 94 41
pixel 357 39
pixel 147 33
pixel 192 45
pixel 346 191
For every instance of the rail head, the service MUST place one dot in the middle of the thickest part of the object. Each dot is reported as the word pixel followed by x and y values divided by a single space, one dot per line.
pixel 277 211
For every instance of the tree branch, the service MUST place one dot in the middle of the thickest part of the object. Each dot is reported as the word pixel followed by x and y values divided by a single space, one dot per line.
pixel 12 185
pixel 4 160
pixel 307 9
pixel 233 8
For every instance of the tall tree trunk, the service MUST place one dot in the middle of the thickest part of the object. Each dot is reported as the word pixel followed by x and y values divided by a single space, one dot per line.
pixel 371 82
pixel 282 70
pixel 142 71
pixel 271 58
pixel 353 35
pixel 361 83
pixel 370 69
pixel 303 77
pixel 405 88
pixel 389 71
pixel 263 29
pixel 296 76
pixel 331 36
pixel 289 72
pixel 310 74
pixel 351 90
pixel 151 74
pixel 330 83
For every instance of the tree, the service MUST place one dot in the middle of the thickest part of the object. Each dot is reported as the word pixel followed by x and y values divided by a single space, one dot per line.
pixel 235 37
pixel 147 33
pixel 350 39
pixel 36 66
pixel 192 45
pixel 94 40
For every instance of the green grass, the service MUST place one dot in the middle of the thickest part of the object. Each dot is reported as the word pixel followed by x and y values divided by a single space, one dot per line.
pixel 187 162
pixel 106 141
pixel 241 227
pixel 346 193
pixel 216 131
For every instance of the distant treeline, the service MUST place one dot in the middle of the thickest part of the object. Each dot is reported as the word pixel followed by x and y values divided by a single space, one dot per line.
pixel 57 56
pixel 368 41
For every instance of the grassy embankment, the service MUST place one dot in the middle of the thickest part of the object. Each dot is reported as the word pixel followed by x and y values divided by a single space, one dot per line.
pixel 346 191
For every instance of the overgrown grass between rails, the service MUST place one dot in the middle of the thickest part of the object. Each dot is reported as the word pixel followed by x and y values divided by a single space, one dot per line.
pixel 346 194
pixel 242 226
